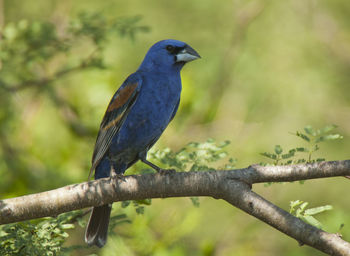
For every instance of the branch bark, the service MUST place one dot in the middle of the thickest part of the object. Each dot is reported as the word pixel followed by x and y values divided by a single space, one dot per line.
pixel 233 186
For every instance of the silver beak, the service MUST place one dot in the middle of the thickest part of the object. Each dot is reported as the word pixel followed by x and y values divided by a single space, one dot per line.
pixel 187 54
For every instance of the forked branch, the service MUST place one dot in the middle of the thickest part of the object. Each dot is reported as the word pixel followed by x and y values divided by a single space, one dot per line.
pixel 234 186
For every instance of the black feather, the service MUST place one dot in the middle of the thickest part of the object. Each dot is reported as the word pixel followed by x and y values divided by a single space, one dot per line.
pixel 97 228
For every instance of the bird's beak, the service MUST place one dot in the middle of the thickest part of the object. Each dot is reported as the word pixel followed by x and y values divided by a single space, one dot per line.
pixel 187 54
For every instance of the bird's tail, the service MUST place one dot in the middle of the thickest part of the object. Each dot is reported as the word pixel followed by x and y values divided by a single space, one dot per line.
pixel 97 228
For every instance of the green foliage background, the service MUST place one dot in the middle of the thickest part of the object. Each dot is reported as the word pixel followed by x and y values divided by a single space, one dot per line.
pixel 267 68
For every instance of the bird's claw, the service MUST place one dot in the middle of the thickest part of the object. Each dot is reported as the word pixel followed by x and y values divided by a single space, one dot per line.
pixel 117 176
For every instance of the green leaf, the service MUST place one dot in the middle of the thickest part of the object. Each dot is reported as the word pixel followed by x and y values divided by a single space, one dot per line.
pixel 317 210
pixel 268 184
pixel 312 221
pixel 125 204
pixel 140 210
pixel 329 137
pixel 222 155
pixel 193 144
pixel 304 205
pixel 195 201
pixel 231 163
pixel 303 136
pixel 309 130
pixel 224 143
pixel 269 155
pixel 299 212
pixel 278 149
pixel 294 204
pixel 302 149
pixel 144 201
pixel 67 226
pixel 288 155
pixel 327 129
pixel 64 234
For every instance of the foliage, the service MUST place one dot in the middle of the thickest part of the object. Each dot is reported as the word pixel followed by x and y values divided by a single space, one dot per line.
pixel 45 237
pixel 312 137
pixel 139 205
pixel 194 157
pixel 48 235
pixel 31 45
pixel 298 209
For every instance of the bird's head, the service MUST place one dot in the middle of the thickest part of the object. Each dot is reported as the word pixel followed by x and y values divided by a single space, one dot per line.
pixel 167 55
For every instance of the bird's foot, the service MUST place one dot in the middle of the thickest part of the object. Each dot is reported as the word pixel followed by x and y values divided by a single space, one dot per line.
pixel 119 176
pixel 166 171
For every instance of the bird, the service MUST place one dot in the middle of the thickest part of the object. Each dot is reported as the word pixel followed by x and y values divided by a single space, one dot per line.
pixel 135 118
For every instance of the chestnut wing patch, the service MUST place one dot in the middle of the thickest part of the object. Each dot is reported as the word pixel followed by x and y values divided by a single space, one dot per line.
pixel 117 111
pixel 122 97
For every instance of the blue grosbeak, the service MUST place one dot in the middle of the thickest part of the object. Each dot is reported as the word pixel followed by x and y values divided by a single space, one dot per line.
pixel 136 116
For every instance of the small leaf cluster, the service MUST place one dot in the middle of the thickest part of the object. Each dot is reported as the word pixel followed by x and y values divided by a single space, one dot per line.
pixel 28 45
pixel 98 27
pixel 44 237
pixel 139 205
pixel 298 209
pixel 33 45
pixel 312 137
pixel 194 156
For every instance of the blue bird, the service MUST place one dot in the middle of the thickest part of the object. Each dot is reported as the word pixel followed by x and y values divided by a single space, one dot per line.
pixel 136 116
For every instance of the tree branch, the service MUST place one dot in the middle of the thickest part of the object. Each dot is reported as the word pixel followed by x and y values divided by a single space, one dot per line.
pixel 234 186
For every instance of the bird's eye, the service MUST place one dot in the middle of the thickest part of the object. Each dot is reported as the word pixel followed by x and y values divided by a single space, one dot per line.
pixel 170 48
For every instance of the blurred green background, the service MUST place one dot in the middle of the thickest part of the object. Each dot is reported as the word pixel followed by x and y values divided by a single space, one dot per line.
pixel 268 68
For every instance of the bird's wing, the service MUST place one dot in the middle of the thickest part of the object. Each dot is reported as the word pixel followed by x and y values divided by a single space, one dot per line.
pixel 175 110
pixel 117 110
